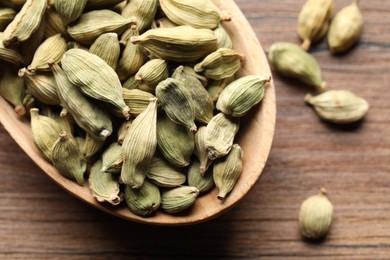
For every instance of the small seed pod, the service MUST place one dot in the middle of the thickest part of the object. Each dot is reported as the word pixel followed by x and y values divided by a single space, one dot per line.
pixel 223 38
pixel 92 145
pixel 203 182
pixel 112 159
pixel 136 99
pixel 152 73
pixel 142 11
pixel 107 47
pixel 143 201
pixel 163 174
pixel 178 199
pixel 69 10
pixel 201 151
pixel 13 90
pixel 315 216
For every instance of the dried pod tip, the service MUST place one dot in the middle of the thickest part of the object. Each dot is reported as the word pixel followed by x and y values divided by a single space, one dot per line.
pixel 20 110
pixel 134 39
pixel 22 72
pixel 31 69
pixel 63 135
pixel 126 113
pixel 225 16
pixel 323 191
pixel 221 195
pixel 104 134
pixel 194 129
pixel 138 78
pixel 34 111
pixel 308 97
pixel 322 87
pixel 306 44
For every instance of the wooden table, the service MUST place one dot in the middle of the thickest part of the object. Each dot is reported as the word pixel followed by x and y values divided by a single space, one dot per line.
pixel 40 220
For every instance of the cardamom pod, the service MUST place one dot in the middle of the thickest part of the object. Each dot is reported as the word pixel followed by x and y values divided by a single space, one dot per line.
pixel 112 158
pixel 13 90
pixel 338 106
pixel 178 199
pixel 92 145
pixel 227 170
pixel 346 28
pixel 163 174
pixel 315 216
pixel 142 11
pixel 202 102
pixel 95 78
pixel 241 95
pixel 123 130
pixel 139 147
pixel 107 47
pixel 198 14
pixel 223 38
pixel 180 44
pixel 6 17
pixel 203 182
pixel 92 24
pixel 70 10
pixel 131 83
pixel 9 54
pixel 175 141
pixel 215 87
pixel 222 63
pixel 314 20
pixel 152 73
pixel 143 201
pixel 103 186
pixel 54 25
pixel 292 61
pixel 87 115
pixel 67 159
pixel 137 100
pixel 25 22
pixel 45 132
pixel 201 151
pixel 65 122
pixel 220 133
pixel 175 99
pixel 101 4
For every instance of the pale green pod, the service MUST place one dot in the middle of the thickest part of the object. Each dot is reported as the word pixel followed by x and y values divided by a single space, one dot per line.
pixel 202 102
pixel 292 61
pixel 45 132
pixel 203 182
pixel 69 10
pixel 241 95
pixel 6 17
pixel 142 11
pixel 339 106
pixel 223 63
pixel 175 142
pixel 51 50
pixel 227 170
pixel 131 83
pixel 220 133
pixel 103 186
pixel 107 47
pixel 164 174
pixel 101 4
pixel 133 57
pixel 137 100
pixel 122 131
pixel 65 122
pixel 180 44
pixel 9 54
pixel 25 23
pixel 13 90
pixel 143 201
pixel 28 101
pixel 346 28
pixel 152 73
pixel 95 78
pixel 215 87
pixel 67 159
pixel 315 216
pixel 201 151
pixel 112 158
pixel 87 115
pixel 94 23
pixel 178 199
pixel 139 147
pixel 54 25
pixel 175 99
pixel 223 38
pixel 198 14
pixel 92 146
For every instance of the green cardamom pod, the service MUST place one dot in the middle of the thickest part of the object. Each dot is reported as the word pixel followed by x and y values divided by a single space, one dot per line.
pixel 131 83
pixel 54 25
pixel 292 61
pixel 139 147
pixel 338 106
pixel 198 14
pixel 107 47
pixel 202 102
pixel 112 158
pixel 13 90
pixel 92 145
pixel 95 78
pixel 201 151
pixel 220 133
pixel 142 11
pixel 69 10
pixel 152 73
pixel 222 63
pixel 92 24
pixel 66 157
pixel 6 17
pixel 103 186
pixel 175 99
pixel 315 216
pixel 346 28
pixel 25 22
pixel 137 100
pixel 314 20
pixel 143 201
pixel 227 170
pixel 9 54
pixel 175 141
pixel 178 199
pixel 180 44
pixel 123 130
pixel 163 174
pixel 241 95
pixel 223 38
pixel 45 132
pixel 203 182
pixel 215 87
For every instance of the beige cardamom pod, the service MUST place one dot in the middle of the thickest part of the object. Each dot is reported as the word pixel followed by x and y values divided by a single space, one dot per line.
pixel 123 130
pixel 201 151
pixel 131 83
pixel 164 174
pixel 54 25
pixel 152 73
pixel 203 182
pixel 6 17
pixel 178 199
pixel 223 38
pixel 70 10
pixel 107 47
pixel 142 11
pixel 91 146
pixel 215 87
pixel 12 89
pixel 112 158
pixel 137 100
pixel 227 170
pixel 139 147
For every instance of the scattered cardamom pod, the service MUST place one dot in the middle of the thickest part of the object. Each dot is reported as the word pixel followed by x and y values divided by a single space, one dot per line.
pixel 123 130
pixel 112 158
pixel 152 73
pixel 314 20
pixel 315 216
pixel 215 87
pixel 142 11
pixel 163 174
pixel 292 61
pixel 6 17
pixel 203 182
pixel 346 28
pixel 178 199
pixel 107 47
pixel 227 170
pixel 338 106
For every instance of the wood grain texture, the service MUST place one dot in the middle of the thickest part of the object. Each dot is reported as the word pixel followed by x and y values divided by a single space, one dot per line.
pixel 39 220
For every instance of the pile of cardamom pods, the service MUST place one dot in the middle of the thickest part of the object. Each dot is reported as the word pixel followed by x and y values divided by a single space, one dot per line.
pixel 139 95
pixel 344 30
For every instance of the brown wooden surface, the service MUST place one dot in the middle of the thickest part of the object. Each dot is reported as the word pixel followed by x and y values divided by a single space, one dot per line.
pixel 40 220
